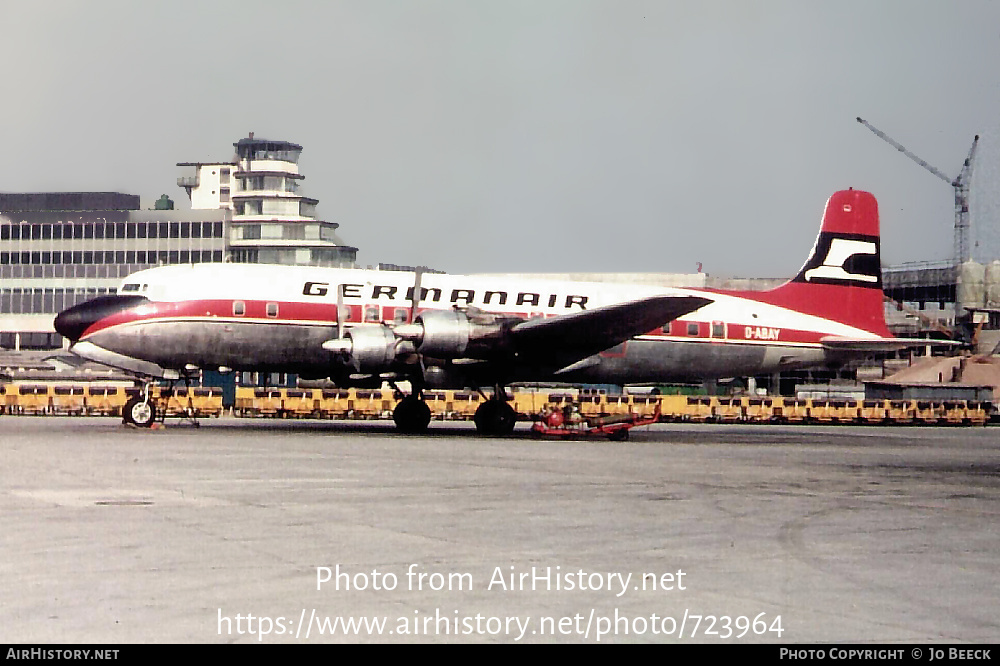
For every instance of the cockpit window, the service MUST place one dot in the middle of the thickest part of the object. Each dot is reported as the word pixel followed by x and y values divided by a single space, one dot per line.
pixel 131 286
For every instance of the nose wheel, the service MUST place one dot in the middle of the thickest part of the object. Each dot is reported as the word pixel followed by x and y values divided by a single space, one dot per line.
pixel 139 411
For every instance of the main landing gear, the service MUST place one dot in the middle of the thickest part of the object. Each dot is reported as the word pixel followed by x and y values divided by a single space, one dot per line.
pixel 412 415
pixel 495 416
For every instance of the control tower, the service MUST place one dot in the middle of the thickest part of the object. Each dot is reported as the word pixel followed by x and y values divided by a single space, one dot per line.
pixel 272 222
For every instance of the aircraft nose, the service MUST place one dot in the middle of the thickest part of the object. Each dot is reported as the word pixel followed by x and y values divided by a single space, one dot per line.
pixel 73 322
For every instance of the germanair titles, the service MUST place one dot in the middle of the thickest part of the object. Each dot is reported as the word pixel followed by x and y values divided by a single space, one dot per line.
pixel 393 293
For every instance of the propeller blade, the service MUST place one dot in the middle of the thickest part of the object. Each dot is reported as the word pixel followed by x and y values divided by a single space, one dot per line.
pixel 340 311
pixel 338 345
pixel 418 275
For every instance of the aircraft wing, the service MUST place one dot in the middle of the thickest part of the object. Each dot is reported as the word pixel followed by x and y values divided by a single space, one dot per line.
pixel 575 336
pixel 835 343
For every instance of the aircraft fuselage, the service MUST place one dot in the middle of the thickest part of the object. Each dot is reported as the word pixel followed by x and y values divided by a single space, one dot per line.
pixel 276 318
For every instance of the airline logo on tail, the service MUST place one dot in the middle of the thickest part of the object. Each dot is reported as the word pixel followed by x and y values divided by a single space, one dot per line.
pixel 843 259
pixel 842 250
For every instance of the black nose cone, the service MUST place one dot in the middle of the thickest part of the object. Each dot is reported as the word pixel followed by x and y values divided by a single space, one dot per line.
pixel 72 323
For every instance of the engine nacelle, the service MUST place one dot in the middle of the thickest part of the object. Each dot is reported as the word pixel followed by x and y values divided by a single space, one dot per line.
pixel 373 348
pixel 451 334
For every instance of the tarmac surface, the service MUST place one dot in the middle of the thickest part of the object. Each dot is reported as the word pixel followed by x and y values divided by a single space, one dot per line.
pixel 686 533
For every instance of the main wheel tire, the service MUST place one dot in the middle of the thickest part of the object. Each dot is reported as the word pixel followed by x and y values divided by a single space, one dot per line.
pixel 139 412
pixel 412 415
pixel 495 417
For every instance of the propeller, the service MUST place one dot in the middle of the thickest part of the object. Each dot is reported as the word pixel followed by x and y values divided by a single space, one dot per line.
pixel 340 345
pixel 418 275
pixel 375 347
pixel 411 331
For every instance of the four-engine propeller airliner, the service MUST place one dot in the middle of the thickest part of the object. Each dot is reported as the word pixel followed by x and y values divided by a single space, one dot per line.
pixel 364 327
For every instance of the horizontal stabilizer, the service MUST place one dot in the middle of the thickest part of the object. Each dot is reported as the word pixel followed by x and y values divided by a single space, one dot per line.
pixel 834 343
pixel 575 336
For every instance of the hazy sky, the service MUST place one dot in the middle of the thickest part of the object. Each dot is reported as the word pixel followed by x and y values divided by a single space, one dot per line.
pixel 559 135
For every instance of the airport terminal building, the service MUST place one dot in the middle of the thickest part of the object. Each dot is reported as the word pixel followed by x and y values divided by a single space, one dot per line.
pixel 61 248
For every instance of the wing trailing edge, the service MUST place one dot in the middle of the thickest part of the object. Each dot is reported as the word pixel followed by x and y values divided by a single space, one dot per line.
pixel 842 344
pixel 575 336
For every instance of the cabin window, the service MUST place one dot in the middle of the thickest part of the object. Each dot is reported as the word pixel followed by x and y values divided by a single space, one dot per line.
pixel 693 329
pixel 272 309
pixel 239 308
pixel 371 313
pixel 718 329
pixel 400 315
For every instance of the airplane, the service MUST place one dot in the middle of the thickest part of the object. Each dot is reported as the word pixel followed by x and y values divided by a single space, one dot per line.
pixel 365 327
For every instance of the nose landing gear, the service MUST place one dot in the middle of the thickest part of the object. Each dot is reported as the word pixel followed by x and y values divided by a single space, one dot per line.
pixel 140 410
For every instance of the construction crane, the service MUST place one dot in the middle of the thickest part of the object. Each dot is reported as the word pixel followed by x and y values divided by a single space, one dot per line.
pixel 960 183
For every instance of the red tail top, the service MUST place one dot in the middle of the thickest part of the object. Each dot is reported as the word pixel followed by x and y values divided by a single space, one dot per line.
pixel 842 279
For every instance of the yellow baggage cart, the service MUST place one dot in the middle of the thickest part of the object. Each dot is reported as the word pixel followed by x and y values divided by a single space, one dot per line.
pixel 69 400
pixel 333 403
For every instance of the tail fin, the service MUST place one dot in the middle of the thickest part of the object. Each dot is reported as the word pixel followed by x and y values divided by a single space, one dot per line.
pixel 842 279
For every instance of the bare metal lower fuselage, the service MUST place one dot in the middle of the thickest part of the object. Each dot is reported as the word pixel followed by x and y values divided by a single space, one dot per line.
pixel 292 347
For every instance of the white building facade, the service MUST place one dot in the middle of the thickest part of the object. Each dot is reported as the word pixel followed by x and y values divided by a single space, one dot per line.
pixel 62 248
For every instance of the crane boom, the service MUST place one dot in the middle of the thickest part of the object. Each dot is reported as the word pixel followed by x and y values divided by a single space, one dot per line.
pixel 960 183
pixel 901 148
